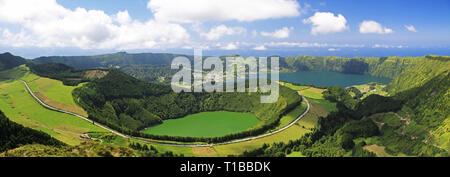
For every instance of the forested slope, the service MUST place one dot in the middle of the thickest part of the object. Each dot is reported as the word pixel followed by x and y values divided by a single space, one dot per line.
pixel 129 105
pixel 383 67
pixel 422 72
pixel 8 61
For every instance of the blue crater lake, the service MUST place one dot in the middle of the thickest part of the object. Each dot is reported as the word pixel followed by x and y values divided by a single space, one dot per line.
pixel 328 78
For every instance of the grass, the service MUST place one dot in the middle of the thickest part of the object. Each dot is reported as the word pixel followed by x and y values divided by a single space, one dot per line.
pixel 206 124
pixel 296 87
pixel 295 154
pixel 291 116
pixel 292 133
pixel 329 106
pixel 20 107
pixel 313 93
pixel 56 94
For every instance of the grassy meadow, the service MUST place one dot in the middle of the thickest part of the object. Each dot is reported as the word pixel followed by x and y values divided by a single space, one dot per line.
pixel 56 94
pixel 19 106
pixel 206 124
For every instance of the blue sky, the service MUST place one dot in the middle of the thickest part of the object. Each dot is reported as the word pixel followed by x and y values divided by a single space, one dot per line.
pixel 349 28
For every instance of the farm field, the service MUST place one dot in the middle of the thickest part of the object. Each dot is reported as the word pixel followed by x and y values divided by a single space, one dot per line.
pixel 206 124
pixel 295 87
pixel 312 92
pixel 56 94
pixel 20 107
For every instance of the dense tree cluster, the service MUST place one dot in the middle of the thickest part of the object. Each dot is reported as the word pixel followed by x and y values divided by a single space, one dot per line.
pixel 150 151
pixel 68 75
pixel 150 73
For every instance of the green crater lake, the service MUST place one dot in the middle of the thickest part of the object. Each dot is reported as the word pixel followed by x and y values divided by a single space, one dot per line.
pixel 328 78
pixel 205 124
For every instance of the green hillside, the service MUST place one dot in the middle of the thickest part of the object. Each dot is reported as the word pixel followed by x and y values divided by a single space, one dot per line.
pixel 425 70
pixel 115 60
pixel 13 135
pixel 413 122
pixel 8 61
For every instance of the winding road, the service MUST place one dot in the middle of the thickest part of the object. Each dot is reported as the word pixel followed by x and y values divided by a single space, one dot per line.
pixel 159 142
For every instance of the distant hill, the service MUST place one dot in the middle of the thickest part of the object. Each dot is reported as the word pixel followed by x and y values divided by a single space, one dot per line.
pixel 67 74
pixel 8 61
pixel 389 67
pixel 115 60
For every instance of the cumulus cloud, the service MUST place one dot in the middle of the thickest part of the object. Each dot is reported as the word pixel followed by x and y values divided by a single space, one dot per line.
pixel 261 47
pixel 279 34
pixel 229 46
pixel 222 30
pixel 219 10
pixel 369 26
pixel 326 22
pixel 45 23
pixel 411 28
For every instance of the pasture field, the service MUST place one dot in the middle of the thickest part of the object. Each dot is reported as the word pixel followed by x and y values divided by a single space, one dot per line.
pixel 329 106
pixel 206 124
pixel 295 87
pixel 312 92
pixel 314 95
pixel 56 94
pixel 20 107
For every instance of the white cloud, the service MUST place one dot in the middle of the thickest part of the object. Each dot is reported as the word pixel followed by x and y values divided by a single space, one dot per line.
pixel 229 46
pixel 411 28
pixel 261 47
pixel 333 49
pixel 219 10
pixel 388 46
pixel 45 23
pixel 222 30
pixel 123 17
pixel 279 34
pixel 326 22
pixel 373 27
